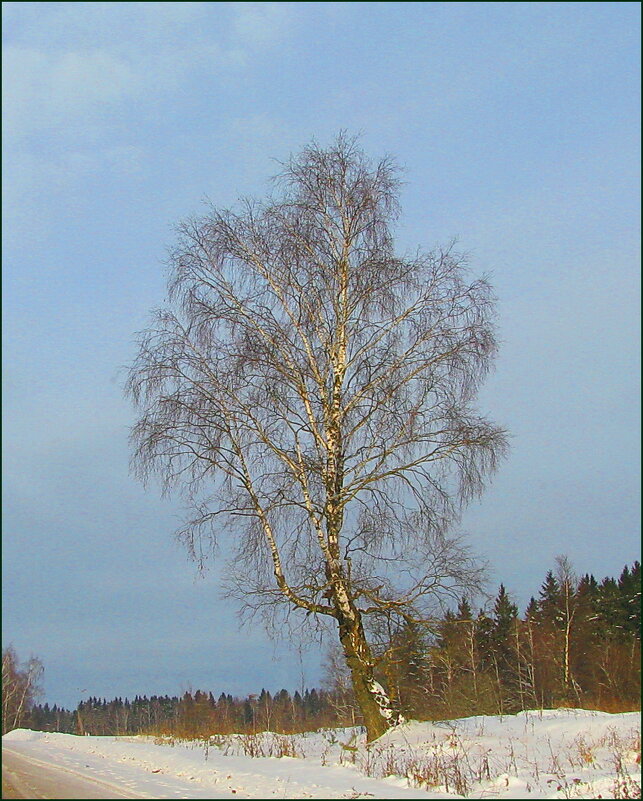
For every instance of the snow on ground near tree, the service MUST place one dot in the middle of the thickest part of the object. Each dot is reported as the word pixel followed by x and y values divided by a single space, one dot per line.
pixel 563 753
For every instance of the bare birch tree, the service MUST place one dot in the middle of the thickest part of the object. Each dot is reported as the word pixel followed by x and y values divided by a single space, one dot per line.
pixel 20 687
pixel 569 603
pixel 311 393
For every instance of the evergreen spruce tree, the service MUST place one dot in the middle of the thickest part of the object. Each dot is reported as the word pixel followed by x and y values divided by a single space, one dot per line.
pixel 629 585
pixel 609 608
pixel 464 609
pixel 550 600
pixel 503 637
pixel 406 668
pixel 531 613
pixel 504 614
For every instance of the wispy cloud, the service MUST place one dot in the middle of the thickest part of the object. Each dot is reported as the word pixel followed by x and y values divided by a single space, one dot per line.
pixel 75 65
pixel 51 92
pixel 258 25
pixel 85 84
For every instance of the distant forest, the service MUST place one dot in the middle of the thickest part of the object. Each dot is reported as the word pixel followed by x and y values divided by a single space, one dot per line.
pixel 577 645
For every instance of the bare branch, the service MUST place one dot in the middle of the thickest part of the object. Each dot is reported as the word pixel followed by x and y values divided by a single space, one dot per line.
pixel 311 394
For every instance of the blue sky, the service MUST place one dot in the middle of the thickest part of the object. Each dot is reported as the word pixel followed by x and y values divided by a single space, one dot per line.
pixel 518 128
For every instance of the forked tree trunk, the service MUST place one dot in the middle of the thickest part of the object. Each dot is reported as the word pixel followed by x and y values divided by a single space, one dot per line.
pixel 373 702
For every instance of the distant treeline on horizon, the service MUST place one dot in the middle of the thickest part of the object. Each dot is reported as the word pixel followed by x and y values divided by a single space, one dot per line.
pixel 577 645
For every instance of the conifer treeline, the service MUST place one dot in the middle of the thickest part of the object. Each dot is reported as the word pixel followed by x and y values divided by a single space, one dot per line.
pixel 578 644
pixel 196 714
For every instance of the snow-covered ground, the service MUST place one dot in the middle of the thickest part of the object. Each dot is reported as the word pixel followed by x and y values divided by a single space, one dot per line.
pixel 561 753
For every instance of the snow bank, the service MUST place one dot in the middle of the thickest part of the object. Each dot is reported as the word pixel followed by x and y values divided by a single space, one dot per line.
pixel 560 753
pixel 22 736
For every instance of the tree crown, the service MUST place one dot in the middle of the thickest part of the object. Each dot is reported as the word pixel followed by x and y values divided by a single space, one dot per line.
pixel 312 391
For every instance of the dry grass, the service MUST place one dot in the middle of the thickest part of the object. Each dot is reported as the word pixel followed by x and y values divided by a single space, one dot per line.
pixel 449 763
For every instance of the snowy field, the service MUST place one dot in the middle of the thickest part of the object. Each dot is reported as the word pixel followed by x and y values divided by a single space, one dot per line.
pixel 559 753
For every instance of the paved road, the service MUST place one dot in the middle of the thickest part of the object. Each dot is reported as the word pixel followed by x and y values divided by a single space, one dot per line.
pixel 28 778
